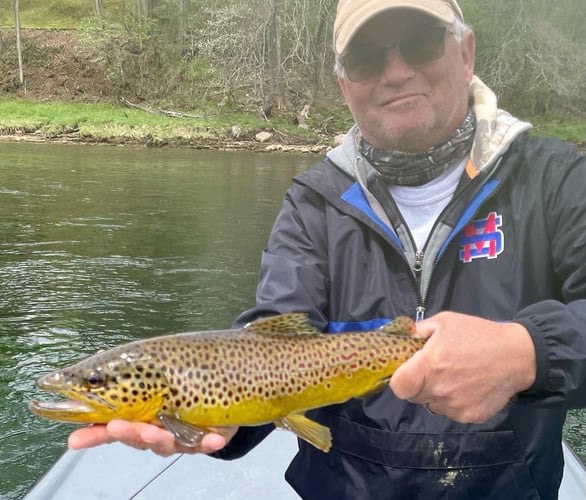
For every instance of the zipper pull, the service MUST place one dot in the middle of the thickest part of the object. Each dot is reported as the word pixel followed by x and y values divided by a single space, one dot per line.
pixel 419 313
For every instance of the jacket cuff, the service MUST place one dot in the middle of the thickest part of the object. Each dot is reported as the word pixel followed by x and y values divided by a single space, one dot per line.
pixel 541 356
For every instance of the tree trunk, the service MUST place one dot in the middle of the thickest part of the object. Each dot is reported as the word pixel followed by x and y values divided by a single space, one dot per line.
pixel 318 47
pixel 18 40
pixel 181 26
pixel 145 8
pixel 99 8
pixel 274 53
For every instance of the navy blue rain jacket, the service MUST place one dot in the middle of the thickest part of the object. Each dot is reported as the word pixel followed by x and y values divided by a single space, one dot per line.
pixel 510 246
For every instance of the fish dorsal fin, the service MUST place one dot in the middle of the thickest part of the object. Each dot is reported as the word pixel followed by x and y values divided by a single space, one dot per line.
pixel 401 325
pixel 289 324
pixel 184 433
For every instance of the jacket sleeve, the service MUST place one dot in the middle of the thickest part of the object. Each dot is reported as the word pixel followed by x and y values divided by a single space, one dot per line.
pixel 558 327
pixel 294 266
pixel 293 278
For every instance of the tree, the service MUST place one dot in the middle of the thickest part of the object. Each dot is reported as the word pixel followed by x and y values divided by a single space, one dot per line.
pixel 145 8
pixel 99 8
pixel 531 52
pixel 18 40
pixel 273 42
pixel 277 53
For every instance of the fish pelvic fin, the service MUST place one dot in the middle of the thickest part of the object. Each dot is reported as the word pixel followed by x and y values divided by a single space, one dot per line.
pixel 185 433
pixel 289 324
pixel 401 325
pixel 314 433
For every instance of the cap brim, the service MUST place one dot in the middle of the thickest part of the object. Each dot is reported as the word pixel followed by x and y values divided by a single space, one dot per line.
pixel 350 25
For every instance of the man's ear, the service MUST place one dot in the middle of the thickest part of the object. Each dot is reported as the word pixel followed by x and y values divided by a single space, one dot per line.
pixel 468 53
pixel 343 87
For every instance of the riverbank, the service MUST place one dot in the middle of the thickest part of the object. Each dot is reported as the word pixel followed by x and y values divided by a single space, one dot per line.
pixel 31 120
pixel 102 123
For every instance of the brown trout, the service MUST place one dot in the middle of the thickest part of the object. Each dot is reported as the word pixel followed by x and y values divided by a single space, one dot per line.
pixel 272 370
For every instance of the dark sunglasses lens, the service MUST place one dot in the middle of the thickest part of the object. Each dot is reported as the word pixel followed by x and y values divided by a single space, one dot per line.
pixel 362 64
pixel 424 49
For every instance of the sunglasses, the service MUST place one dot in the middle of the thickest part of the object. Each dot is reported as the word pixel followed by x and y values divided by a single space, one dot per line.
pixel 362 63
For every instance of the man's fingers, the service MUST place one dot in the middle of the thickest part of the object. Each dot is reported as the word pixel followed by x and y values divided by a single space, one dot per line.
pixel 409 379
pixel 88 437
pixel 425 328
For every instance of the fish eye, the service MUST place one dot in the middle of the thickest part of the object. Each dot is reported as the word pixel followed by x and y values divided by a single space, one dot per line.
pixel 94 380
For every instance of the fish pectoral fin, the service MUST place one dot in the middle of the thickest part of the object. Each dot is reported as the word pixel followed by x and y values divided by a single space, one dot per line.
pixel 314 433
pixel 378 388
pixel 185 433
pixel 290 324
pixel 401 325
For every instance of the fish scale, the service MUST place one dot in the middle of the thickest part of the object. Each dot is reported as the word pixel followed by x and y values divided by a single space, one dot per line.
pixel 272 370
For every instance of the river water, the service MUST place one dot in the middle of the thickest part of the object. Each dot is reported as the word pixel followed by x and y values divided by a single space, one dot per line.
pixel 103 245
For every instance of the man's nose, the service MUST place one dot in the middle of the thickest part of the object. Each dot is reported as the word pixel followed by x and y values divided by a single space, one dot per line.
pixel 395 68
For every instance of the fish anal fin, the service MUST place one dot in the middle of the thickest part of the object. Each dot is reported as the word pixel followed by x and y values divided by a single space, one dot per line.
pixel 401 325
pixel 185 433
pixel 313 432
pixel 289 324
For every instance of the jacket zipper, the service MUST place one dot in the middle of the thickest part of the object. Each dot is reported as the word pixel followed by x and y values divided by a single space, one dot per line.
pixel 417 268
pixel 420 309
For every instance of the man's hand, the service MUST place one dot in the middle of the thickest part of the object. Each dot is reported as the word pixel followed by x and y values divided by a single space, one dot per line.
pixel 146 437
pixel 470 367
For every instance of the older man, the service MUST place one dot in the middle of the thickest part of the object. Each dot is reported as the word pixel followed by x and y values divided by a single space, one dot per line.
pixel 438 206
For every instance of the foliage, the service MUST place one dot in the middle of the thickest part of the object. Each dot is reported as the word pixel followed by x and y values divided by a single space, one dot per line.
pixel 532 53
pixel 209 53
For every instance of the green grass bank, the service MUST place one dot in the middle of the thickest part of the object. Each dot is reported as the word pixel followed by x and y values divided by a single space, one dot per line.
pixel 24 119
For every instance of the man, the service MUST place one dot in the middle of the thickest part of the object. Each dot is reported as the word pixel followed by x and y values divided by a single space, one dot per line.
pixel 436 206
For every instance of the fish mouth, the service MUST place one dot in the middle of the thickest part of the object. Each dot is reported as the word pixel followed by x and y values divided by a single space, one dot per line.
pixel 69 405
pixel 73 410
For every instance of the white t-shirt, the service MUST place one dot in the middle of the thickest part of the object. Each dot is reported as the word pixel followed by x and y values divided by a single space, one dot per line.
pixel 422 205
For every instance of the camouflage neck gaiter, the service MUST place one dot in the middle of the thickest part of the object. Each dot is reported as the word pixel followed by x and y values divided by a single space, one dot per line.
pixel 416 169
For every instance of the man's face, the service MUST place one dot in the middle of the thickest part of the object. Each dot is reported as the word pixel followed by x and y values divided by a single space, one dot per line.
pixel 409 108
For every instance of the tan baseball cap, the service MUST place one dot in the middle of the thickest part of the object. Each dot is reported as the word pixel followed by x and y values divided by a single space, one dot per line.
pixel 352 14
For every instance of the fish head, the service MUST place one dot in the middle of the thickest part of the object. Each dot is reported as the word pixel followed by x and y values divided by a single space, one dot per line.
pixel 115 384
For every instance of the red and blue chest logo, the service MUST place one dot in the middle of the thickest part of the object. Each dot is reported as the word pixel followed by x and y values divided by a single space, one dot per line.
pixel 482 239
